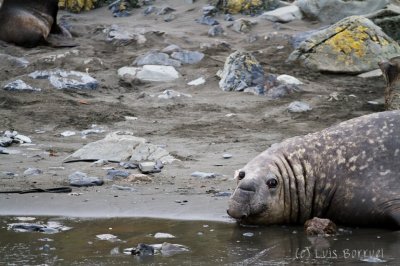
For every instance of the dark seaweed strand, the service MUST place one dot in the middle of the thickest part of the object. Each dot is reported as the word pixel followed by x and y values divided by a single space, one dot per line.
pixel 297 187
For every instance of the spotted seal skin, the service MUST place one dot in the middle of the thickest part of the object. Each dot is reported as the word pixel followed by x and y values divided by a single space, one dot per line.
pixel 349 173
pixel 29 23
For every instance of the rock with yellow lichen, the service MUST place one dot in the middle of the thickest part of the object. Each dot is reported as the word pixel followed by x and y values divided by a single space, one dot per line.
pixel 77 5
pixel 241 71
pixel 245 6
pixel 352 45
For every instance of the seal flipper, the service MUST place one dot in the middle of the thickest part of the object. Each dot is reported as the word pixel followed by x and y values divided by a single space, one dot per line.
pixel 56 40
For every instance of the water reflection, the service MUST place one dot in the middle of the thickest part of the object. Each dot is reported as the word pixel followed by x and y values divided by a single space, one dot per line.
pixel 210 244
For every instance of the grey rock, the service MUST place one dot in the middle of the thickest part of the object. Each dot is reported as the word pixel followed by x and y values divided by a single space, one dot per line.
pixel 209 10
pixel 143 250
pixel 223 194
pixel 149 167
pixel 287 79
pixel 121 37
pixel 169 17
pixel 171 48
pixel 49 228
pixel 282 91
pixel 111 174
pixel 22 139
pixel 169 249
pixel 241 71
pixel 20 85
pixel 331 11
pixel 32 172
pixel 188 57
pixel 353 45
pixel 227 156
pixel 229 17
pixel 154 73
pixel 12 61
pixel 299 107
pixel 388 20
pixel 216 30
pixel 128 165
pixel 298 38
pixel 284 14
pixel 123 188
pixel 156 58
pixel 121 147
pixel 165 10
pixel 203 175
pixel 242 25
pixel 149 10
pixel 256 90
pixel 5 141
pixel 371 74
pixel 62 79
pixel 172 94
pixel 248 234
pixel 207 20
pixel 79 179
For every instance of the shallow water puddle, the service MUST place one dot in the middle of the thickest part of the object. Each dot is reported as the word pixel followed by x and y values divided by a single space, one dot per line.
pixel 103 241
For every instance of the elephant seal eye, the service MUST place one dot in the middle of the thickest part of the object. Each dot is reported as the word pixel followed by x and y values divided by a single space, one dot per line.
pixel 272 183
pixel 241 175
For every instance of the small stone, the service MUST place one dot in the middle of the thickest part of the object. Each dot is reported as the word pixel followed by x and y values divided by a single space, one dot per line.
pixel 286 79
pixel 215 30
pixel 165 10
pixel 20 85
pixel 229 17
pixel 114 251
pixel 299 107
pixel 156 58
pixel 32 172
pixel 203 175
pixel 108 237
pixel 128 165
pixel 249 234
pixel 148 167
pixel 171 94
pixel 223 194
pixel 318 226
pixel 142 250
pixel 68 133
pixel 168 249
pixel 209 10
pixel 171 48
pixel 169 17
pixel 227 156
pixel 188 57
pixel 163 235
pixel 207 20
pixel 241 25
pixel 79 179
pixel 197 82
pixel 283 14
pixel 148 10
pixel 371 74
pixel 5 141
pixel 111 174
pixel 62 79
pixel 123 188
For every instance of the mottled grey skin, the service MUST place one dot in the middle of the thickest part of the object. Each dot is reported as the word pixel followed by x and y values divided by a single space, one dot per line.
pixel 349 173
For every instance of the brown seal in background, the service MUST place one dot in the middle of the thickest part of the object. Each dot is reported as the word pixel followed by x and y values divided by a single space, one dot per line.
pixel 29 23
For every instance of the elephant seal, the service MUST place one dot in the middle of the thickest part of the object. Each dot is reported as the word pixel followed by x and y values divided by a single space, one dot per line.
pixel 349 173
pixel 29 23
pixel 391 74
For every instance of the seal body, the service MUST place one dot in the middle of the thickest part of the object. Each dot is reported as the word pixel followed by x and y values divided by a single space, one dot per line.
pixel 28 23
pixel 349 173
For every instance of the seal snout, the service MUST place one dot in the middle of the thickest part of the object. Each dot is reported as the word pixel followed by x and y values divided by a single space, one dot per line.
pixel 236 214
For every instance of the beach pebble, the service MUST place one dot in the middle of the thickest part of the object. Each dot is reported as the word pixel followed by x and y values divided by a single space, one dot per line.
pixel 203 175
pixel 299 107
pixel 32 172
pixel 163 235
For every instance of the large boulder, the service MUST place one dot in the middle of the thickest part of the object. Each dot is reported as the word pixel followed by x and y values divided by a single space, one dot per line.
pixel 245 6
pixel 353 45
pixel 119 147
pixel 389 20
pixel 331 11
pixel 241 71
